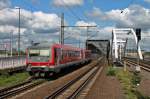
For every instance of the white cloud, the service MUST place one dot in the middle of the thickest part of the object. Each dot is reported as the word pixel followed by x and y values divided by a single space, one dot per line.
pixel 33 25
pixel 80 33
pixel 10 29
pixel 135 16
pixel 67 2
pixel 72 33
pixel 37 21
pixel 147 1
pixel 83 23
pixel 97 13
pixel 104 33
pixel 45 22
pixel 4 4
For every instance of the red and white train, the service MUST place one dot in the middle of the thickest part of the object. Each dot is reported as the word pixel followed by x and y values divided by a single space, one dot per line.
pixel 50 59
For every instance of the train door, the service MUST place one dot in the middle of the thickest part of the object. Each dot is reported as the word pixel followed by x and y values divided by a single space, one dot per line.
pixel 57 56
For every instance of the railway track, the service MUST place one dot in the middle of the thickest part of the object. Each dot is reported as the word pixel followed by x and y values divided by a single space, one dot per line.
pixel 16 89
pixel 72 89
pixel 142 64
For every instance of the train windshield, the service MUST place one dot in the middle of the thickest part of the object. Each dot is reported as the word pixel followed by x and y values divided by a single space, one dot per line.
pixel 40 55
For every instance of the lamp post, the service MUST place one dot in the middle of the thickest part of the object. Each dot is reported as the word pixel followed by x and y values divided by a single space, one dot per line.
pixel 18 30
pixel 11 42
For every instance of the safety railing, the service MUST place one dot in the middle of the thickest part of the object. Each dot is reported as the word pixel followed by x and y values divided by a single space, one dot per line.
pixel 12 62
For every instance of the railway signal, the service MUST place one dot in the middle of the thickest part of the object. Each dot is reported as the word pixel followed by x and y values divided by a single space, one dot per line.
pixel 138 34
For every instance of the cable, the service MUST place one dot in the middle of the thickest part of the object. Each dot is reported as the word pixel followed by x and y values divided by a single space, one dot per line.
pixel 67 6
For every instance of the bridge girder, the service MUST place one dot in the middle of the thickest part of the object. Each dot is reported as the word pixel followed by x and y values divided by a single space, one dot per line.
pixel 119 40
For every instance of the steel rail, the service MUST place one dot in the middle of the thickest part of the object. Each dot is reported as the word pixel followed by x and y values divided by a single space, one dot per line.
pixel 83 85
pixel 61 89
pixel 19 88
pixel 15 86
pixel 142 65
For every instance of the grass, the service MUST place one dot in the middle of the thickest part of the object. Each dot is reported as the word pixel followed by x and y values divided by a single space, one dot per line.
pixel 125 78
pixel 7 80
pixel 128 81
pixel 140 96
pixel 136 78
pixel 111 71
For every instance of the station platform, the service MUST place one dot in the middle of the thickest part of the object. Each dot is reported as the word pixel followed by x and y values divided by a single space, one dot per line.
pixel 105 87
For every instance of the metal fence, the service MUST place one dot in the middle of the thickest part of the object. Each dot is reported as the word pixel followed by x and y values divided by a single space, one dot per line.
pixel 12 62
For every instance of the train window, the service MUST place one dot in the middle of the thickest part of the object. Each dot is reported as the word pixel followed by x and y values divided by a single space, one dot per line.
pixel 67 53
pixel 74 53
pixel 40 54
pixel 77 53
pixel 70 53
pixel 33 52
pixel 44 52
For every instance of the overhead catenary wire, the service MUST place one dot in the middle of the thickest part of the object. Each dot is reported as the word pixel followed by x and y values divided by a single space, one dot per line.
pixel 71 11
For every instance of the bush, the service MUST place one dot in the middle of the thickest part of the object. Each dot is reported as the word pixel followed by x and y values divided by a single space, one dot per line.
pixel 111 71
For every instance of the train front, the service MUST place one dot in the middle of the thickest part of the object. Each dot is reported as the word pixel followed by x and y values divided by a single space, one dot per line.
pixel 39 60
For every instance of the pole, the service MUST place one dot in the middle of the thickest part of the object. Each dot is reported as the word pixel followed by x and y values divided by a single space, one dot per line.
pixel 124 54
pixel 19 34
pixel 5 51
pixel 138 69
pixel 87 34
pixel 112 37
pixel 79 42
pixel 62 29
pixel 11 42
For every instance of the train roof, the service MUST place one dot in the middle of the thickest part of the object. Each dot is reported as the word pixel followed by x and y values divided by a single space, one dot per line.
pixel 46 45
pixel 66 47
pixel 40 45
